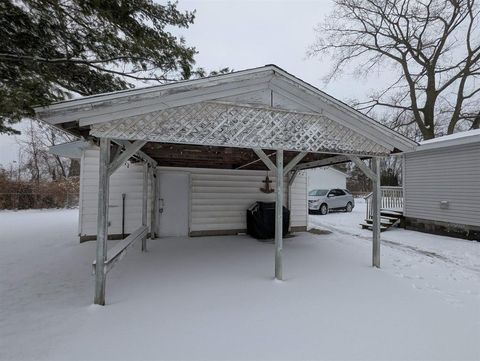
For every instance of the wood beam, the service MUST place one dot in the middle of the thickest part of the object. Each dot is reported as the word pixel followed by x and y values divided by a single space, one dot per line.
pixel 323 162
pixel 265 159
pixel 102 222
pixel 116 253
pixel 279 216
pixel 292 178
pixel 363 167
pixel 376 206
pixel 129 151
pixel 294 162
pixel 142 155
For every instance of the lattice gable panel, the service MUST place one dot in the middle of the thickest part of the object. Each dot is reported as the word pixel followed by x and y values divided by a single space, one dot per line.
pixel 232 125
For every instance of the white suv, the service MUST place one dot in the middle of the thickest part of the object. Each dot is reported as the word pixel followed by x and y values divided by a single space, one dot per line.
pixel 324 200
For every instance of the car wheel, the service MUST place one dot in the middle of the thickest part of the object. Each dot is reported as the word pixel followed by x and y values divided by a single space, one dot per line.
pixel 323 209
pixel 349 207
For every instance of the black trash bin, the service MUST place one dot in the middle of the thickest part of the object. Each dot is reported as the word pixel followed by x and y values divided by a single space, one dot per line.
pixel 261 220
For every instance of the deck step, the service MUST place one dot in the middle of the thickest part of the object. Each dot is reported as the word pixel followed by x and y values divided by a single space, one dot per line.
pixel 369 226
pixel 383 221
pixel 394 219
pixel 391 212
pixel 388 219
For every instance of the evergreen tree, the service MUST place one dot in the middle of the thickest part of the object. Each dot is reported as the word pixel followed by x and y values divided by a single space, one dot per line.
pixel 51 50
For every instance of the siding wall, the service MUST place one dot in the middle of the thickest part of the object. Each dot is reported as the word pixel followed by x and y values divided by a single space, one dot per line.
pixel 128 180
pixel 444 174
pixel 218 198
pixel 324 178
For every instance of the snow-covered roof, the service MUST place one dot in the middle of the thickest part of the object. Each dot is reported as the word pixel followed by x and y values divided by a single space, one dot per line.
pixel 467 137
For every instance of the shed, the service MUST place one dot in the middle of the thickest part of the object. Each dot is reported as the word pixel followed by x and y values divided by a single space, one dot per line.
pixel 216 137
pixel 193 201
pixel 442 185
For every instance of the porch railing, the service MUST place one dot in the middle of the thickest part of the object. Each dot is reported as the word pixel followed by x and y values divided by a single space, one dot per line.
pixel 392 198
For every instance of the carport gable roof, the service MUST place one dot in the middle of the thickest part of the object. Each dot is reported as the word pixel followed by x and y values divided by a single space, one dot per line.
pixel 280 103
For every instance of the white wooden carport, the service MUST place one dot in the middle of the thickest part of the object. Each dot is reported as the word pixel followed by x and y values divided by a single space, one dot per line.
pixel 264 110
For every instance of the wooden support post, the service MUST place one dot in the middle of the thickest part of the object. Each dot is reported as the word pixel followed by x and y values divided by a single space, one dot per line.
pixel 145 204
pixel 376 206
pixel 153 203
pixel 279 216
pixel 102 222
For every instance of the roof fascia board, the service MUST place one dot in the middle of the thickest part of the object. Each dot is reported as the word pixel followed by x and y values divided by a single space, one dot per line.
pixel 291 93
pixel 72 150
pixel 401 142
pixel 122 109
pixel 67 104
pixel 187 98
pixel 335 101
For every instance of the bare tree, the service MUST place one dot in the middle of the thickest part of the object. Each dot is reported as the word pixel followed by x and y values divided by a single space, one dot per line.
pixel 37 159
pixel 431 46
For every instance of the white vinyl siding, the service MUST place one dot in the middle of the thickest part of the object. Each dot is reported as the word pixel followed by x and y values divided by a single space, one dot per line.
pixel 128 180
pixel 218 198
pixel 325 178
pixel 444 174
pixel 298 201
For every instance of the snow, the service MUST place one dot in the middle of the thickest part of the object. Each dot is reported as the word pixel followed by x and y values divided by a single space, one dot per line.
pixel 213 298
pixel 450 137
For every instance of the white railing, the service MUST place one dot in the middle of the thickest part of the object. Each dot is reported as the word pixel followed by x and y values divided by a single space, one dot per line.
pixel 392 198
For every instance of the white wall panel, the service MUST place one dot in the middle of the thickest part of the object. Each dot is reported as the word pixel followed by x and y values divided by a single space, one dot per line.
pixel 325 178
pixel 449 174
pixel 128 180
pixel 218 198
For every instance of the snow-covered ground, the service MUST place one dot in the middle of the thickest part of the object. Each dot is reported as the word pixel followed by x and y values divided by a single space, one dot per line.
pixel 448 259
pixel 214 298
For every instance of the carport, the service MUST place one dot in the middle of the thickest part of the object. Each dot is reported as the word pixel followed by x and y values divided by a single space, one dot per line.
pixel 262 118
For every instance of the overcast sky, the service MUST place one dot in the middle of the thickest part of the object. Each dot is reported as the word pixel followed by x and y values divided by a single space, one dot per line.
pixel 247 34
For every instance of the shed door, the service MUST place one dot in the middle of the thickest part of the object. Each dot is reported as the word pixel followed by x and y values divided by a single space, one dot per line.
pixel 173 204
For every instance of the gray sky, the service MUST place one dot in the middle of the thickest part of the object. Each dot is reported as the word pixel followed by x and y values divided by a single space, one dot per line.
pixel 247 34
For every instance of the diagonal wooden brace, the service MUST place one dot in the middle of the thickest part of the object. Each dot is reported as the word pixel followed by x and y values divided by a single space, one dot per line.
pixel 294 162
pixel 267 161
pixel 129 151
pixel 363 167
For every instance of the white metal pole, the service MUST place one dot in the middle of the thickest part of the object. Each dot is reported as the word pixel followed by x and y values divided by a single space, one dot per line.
pixel 145 204
pixel 102 222
pixel 279 216
pixel 376 207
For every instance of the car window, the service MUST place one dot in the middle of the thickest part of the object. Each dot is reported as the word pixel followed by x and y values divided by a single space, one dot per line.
pixel 332 193
pixel 339 192
pixel 318 192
